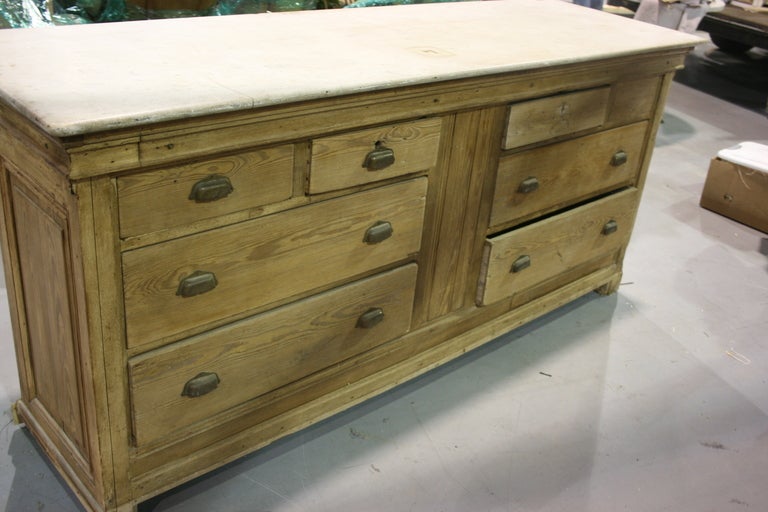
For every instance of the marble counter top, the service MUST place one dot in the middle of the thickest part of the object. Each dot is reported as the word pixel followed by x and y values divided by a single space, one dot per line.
pixel 78 79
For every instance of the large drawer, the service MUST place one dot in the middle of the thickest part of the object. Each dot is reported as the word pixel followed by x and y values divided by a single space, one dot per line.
pixel 169 197
pixel 196 379
pixel 547 178
pixel 175 287
pixel 375 154
pixel 529 256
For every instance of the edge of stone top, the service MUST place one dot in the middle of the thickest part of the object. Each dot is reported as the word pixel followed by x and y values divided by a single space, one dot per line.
pixel 72 80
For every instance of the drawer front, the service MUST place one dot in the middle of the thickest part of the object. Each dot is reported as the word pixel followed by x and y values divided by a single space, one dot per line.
pixel 372 155
pixel 166 198
pixel 633 100
pixel 555 116
pixel 211 373
pixel 531 255
pixel 178 286
pixel 544 179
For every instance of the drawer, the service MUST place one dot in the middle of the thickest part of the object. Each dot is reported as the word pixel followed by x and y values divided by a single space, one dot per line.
pixel 633 100
pixel 166 198
pixel 555 116
pixel 375 154
pixel 531 255
pixel 196 379
pixel 203 279
pixel 551 177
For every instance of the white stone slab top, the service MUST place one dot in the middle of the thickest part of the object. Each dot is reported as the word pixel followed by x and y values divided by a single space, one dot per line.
pixel 78 79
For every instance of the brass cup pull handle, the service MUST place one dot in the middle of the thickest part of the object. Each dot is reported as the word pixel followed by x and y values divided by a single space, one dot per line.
pixel 370 318
pixel 380 158
pixel 200 281
pixel 610 227
pixel 378 232
pixel 201 384
pixel 211 188
pixel 619 158
pixel 528 185
pixel 521 263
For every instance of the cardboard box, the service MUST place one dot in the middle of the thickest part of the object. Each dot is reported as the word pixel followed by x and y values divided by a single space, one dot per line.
pixel 738 190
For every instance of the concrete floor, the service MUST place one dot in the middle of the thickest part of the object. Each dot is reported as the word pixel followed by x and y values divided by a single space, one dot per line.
pixel 653 399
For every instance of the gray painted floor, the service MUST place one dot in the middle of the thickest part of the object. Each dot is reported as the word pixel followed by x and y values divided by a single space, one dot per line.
pixel 653 399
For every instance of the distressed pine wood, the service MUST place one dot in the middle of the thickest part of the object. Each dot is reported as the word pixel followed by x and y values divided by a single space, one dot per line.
pixel 103 246
pixel 158 200
pixel 411 355
pixel 566 173
pixel 472 153
pixel 478 163
pixel 263 353
pixel 554 116
pixel 293 264
pixel 556 244
pixel 25 144
pixel 337 161
pixel 43 247
pixel 49 319
pixel 660 96
pixel 174 141
pixel 102 437
pixel 633 100
pixel 267 260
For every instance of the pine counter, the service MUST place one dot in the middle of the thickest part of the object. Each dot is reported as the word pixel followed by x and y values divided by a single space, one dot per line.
pixel 217 231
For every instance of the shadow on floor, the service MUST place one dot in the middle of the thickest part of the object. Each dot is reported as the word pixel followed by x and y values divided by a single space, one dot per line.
pixel 425 394
pixel 36 485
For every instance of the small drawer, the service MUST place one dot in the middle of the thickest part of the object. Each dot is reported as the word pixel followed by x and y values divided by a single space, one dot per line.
pixel 529 256
pixel 196 379
pixel 177 287
pixel 633 100
pixel 376 154
pixel 544 179
pixel 175 196
pixel 555 116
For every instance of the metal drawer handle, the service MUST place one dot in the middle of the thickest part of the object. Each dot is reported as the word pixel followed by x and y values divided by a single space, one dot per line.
pixel 610 227
pixel 380 158
pixel 211 188
pixel 378 232
pixel 370 318
pixel 521 263
pixel 196 283
pixel 201 384
pixel 619 158
pixel 528 185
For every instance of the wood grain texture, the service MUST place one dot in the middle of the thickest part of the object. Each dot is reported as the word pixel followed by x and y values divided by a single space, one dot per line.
pixel 51 325
pixel 108 324
pixel 472 155
pixel 158 200
pixel 633 100
pixel 23 143
pixel 337 161
pixel 102 434
pixel 43 245
pixel 416 352
pixel 292 267
pixel 259 354
pixel 204 136
pixel 268 259
pixel 566 173
pixel 556 244
pixel 554 116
